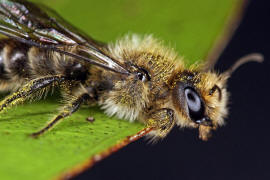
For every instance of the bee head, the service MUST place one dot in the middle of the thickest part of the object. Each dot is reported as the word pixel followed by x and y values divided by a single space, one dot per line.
pixel 200 98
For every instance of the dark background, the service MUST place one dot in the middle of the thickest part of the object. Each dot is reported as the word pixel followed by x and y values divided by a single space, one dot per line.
pixel 240 150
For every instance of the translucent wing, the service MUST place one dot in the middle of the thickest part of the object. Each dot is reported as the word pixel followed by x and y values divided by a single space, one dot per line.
pixel 40 26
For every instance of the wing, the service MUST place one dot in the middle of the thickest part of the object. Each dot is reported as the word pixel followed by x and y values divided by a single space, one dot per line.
pixel 40 26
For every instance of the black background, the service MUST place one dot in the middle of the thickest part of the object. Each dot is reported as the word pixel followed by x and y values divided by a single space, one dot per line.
pixel 240 150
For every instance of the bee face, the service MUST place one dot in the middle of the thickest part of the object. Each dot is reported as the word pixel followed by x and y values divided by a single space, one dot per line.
pixel 200 100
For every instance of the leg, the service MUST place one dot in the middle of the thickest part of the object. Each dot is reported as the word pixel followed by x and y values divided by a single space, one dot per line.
pixel 28 89
pixel 67 110
pixel 161 121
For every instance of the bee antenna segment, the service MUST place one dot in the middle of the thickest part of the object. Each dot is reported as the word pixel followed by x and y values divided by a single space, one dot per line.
pixel 255 57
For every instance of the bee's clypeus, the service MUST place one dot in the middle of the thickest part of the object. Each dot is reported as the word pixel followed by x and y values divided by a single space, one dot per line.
pixel 136 78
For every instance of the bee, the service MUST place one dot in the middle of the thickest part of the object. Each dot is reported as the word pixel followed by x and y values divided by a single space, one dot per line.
pixel 137 78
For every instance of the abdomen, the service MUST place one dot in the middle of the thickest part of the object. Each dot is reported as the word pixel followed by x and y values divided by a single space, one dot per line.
pixel 20 62
pixel 13 63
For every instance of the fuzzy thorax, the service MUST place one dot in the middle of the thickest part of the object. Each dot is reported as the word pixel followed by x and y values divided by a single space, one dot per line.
pixel 130 97
pixel 126 100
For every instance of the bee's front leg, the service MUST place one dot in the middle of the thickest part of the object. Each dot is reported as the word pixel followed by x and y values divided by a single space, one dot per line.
pixel 162 121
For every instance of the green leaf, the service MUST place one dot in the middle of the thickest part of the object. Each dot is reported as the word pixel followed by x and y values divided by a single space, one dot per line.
pixel 192 27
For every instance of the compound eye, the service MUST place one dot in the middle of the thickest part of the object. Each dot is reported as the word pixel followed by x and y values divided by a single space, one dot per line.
pixel 195 105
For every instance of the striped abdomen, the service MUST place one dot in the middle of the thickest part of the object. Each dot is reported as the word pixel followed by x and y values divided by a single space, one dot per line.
pixel 13 59
pixel 20 62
